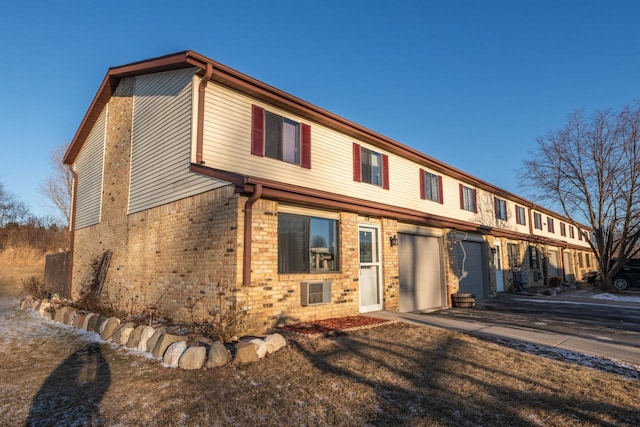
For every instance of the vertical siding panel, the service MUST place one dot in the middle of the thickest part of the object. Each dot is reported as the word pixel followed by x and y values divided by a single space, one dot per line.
pixel 161 141
pixel 89 166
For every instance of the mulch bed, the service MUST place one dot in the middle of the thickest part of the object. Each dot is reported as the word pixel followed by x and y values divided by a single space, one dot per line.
pixel 333 326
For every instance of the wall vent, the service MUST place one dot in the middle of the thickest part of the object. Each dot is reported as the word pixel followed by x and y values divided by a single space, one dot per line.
pixel 312 293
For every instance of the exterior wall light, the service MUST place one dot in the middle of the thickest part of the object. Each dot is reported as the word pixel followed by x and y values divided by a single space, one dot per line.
pixel 393 240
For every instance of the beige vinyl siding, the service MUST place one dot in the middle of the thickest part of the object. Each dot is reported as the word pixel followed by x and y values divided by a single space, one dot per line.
pixel 89 166
pixel 162 141
pixel 227 146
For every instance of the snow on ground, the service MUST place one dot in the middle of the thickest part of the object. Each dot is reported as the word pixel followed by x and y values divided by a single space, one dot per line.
pixel 627 370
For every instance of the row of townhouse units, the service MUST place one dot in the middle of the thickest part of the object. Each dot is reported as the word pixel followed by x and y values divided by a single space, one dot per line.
pixel 214 191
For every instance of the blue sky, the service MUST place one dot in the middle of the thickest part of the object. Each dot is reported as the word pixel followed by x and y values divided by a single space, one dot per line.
pixel 472 83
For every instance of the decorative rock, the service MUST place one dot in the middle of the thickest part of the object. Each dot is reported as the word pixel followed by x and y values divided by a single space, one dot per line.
pixel 262 347
pixel 109 328
pixel 164 342
pixel 134 338
pixel 116 337
pixel 58 314
pixel 125 334
pixel 26 302
pixel 154 339
pixel 172 355
pixel 246 352
pixel 275 342
pixel 44 308
pixel 219 355
pixel 68 315
pixel 78 320
pixel 94 323
pixel 35 304
pixel 85 324
pixel 192 357
pixel 147 333
pixel 102 324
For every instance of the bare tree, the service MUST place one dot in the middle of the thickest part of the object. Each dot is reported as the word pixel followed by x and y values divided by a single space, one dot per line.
pixel 591 169
pixel 12 210
pixel 58 187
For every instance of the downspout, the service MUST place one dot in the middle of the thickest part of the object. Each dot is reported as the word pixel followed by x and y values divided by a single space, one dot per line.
pixel 200 121
pixel 248 225
pixel 72 226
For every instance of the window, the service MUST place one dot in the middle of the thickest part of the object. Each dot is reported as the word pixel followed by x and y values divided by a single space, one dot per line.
pixel 280 138
pixel 571 234
pixel 500 208
pixel 534 259
pixel 513 255
pixel 370 166
pixel 580 264
pixel 563 229
pixel 520 219
pixel 537 220
pixel 579 234
pixel 468 199
pixel 307 244
pixel 430 186
pixel 550 227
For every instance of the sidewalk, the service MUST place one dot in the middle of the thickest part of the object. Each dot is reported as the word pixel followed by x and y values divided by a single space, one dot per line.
pixel 591 346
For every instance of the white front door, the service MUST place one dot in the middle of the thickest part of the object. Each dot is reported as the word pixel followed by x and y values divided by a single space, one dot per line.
pixel 370 289
pixel 497 262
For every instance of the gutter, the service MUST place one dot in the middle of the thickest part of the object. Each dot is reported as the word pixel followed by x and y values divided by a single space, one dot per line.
pixel 72 226
pixel 200 125
pixel 248 226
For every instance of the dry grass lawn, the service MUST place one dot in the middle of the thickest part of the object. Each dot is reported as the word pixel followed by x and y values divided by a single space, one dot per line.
pixel 390 375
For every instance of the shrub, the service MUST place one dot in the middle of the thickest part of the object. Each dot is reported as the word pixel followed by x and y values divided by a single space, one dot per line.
pixel 34 286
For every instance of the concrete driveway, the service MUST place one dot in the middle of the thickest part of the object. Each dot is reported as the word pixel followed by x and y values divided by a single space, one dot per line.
pixel 574 321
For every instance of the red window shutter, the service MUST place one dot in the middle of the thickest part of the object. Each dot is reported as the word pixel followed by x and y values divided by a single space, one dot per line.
pixel 475 202
pixel 385 171
pixel 440 189
pixel 461 197
pixel 423 194
pixel 357 172
pixel 496 209
pixel 305 158
pixel 257 131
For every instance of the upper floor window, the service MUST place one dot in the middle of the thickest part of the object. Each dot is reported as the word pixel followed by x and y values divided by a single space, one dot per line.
pixel 280 138
pixel 571 232
pixel 550 227
pixel 563 229
pixel 537 220
pixel 307 244
pixel 587 259
pixel 468 199
pixel 520 218
pixel 370 166
pixel 430 186
pixel 500 208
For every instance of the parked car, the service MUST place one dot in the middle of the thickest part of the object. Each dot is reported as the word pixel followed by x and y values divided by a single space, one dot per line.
pixel 628 276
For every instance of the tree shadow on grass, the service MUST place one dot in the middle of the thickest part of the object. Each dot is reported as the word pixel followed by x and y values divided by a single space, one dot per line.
pixel 71 395
pixel 443 382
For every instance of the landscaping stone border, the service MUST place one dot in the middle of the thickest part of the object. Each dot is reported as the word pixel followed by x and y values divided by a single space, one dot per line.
pixel 172 349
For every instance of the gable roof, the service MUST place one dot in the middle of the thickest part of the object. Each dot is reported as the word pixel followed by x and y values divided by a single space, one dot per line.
pixel 245 84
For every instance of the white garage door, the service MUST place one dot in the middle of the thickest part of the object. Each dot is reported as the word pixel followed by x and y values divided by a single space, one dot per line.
pixel 421 282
